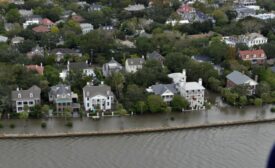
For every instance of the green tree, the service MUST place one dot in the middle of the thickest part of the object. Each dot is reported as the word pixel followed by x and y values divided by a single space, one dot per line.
pixel 155 104
pixel 178 103
pixel 117 83
pixel 52 75
pixel 243 100
pixel 220 17
pixel 13 15
pixel 141 107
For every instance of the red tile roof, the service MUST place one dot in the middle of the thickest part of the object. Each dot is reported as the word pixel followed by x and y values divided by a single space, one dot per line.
pixel 252 54
pixel 36 68
pixel 46 22
pixel 41 29
pixel 185 9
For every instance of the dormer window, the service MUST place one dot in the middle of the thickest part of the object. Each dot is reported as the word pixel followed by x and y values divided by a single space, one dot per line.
pixel 31 95
pixel 19 95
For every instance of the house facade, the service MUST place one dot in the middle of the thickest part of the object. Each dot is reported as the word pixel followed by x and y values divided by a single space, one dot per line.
pixel 254 56
pixel 63 98
pixel 193 92
pixel 22 98
pixel 253 39
pixel 132 65
pixel 111 67
pixel 236 78
pixel 86 27
pixel 97 97
pixel 61 52
pixel 32 20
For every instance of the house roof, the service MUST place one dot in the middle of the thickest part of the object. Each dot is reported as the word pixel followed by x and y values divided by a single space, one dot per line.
pixel 238 78
pixel 159 89
pixel 31 93
pixel 193 86
pixel 41 29
pixel 38 68
pixel 46 22
pixel 79 65
pixel 136 7
pixel 77 18
pixel 252 54
pixel 17 39
pixel 154 56
pixel 60 89
pixel 64 51
pixel 185 8
pixel 91 91
pixel 135 61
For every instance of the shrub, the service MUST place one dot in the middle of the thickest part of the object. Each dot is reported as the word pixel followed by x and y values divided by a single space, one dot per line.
pixel 69 124
pixel 1 125
pixel 272 109
pixel 12 125
pixel 43 125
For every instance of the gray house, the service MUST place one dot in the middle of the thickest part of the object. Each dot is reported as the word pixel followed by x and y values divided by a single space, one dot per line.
pixel 166 91
pixel 111 67
pixel 63 98
pixel 155 56
pixel 21 98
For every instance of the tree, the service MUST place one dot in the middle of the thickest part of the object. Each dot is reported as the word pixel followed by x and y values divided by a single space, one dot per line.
pixel 117 83
pixel 133 94
pixel 220 17
pixel 67 113
pixel 217 50
pixel 120 110
pixel 141 107
pixel 52 75
pixel 155 104
pixel 13 15
pixel 45 109
pixel 214 84
pixel 178 103
pixel 243 100
pixel 258 102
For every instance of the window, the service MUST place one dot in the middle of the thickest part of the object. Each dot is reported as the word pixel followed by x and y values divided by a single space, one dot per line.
pixel 87 98
pixel 25 102
pixel 19 103
pixel 88 104
pixel 30 102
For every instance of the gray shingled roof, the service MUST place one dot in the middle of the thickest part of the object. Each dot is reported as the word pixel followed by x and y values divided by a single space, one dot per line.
pixel 26 94
pixel 135 61
pixel 104 90
pixel 60 89
pixel 238 78
pixel 154 56
pixel 79 65
pixel 159 89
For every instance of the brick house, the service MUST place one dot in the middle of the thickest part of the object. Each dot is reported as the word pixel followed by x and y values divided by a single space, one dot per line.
pixel 254 56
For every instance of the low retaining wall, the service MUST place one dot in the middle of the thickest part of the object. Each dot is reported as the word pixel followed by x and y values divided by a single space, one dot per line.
pixel 134 131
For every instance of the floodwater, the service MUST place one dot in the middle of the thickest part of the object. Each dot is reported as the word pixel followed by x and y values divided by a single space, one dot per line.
pixel 245 146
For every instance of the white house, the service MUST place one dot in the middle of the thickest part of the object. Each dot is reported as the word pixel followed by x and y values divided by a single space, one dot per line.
pixel 85 67
pixel 32 20
pixel 86 27
pixel 111 67
pixel 193 92
pixel 253 39
pixel 97 97
pixel 134 64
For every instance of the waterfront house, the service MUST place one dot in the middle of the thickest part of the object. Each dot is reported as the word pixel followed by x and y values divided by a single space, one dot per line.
pixel 97 97
pixel 111 67
pixel 165 91
pixel 193 92
pixel 254 56
pixel 236 78
pixel 132 65
pixel 63 98
pixel 25 98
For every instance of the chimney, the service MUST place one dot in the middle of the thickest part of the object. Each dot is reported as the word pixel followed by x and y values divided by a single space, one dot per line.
pixel 41 65
pixel 142 56
pixel 256 78
pixel 17 89
pixel 184 72
pixel 200 81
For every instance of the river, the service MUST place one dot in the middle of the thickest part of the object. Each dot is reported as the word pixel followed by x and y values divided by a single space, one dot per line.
pixel 245 146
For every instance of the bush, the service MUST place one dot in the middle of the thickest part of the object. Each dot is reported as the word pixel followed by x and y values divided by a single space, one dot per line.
pixel 272 109
pixel 12 125
pixel 69 124
pixel 43 125
pixel 1 125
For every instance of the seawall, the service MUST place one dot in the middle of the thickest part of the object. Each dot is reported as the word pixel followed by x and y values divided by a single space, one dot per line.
pixel 134 131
